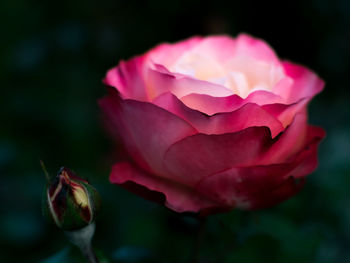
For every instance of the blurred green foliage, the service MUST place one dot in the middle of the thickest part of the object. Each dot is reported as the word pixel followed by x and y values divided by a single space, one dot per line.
pixel 53 57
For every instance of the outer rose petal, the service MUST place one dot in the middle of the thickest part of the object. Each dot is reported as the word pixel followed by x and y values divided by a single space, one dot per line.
pixel 289 142
pixel 195 157
pixel 286 113
pixel 248 115
pixel 177 197
pixel 198 156
pixel 306 84
pixel 146 130
pixel 128 79
pixel 257 187
pixel 251 187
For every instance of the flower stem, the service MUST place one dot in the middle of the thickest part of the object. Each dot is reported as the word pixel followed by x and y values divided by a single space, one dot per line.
pixel 82 239
pixel 199 240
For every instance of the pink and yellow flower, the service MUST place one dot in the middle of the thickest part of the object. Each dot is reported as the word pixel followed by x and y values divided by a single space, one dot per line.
pixel 213 123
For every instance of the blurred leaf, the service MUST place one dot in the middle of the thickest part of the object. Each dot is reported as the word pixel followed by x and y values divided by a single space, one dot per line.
pixel 262 245
pixel 72 254
pixel 133 254
pixel 20 227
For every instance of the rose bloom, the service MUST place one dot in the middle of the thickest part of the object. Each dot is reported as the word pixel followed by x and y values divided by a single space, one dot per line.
pixel 212 123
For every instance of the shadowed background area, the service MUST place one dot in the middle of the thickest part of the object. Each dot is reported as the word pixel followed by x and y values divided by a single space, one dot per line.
pixel 53 58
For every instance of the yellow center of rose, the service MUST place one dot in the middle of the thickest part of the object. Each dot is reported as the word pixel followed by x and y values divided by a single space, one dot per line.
pixel 80 196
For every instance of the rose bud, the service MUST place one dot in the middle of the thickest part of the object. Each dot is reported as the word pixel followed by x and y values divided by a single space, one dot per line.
pixel 212 124
pixel 70 201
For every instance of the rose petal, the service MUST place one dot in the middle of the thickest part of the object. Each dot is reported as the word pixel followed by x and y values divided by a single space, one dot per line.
pixel 128 79
pixel 212 104
pixel 289 142
pixel 166 54
pixel 224 48
pixel 178 197
pixel 249 115
pixel 306 84
pixel 256 48
pixel 200 155
pixel 195 157
pixel 218 48
pixel 179 85
pixel 146 130
pixel 313 137
pixel 285 113
pixel 258 187
pixel 252 187
pixel 243 187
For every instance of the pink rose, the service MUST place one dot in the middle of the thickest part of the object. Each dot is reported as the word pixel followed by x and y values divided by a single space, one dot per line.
pixel 213 124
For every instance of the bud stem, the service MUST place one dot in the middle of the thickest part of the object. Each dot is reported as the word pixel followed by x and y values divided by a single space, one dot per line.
pixel 89 254
pixel 82 239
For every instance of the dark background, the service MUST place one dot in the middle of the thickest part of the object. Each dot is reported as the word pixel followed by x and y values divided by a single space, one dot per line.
pixel 53 57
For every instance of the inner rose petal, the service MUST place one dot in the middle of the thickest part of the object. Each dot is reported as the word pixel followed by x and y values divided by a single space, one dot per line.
pixel 248 74
pixel 241 74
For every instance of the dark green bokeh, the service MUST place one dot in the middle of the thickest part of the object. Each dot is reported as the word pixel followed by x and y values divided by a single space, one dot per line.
pixel 53 57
